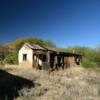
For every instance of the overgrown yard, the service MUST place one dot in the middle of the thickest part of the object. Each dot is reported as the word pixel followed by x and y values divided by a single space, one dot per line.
pixel 69 84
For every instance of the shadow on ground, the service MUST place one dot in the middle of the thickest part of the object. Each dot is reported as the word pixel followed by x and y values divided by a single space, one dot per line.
pixel 11 84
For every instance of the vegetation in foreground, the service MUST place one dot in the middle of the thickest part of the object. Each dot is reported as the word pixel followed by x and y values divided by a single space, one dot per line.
pixel 70 84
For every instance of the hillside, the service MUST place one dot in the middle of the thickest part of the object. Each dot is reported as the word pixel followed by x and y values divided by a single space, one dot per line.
pixel 32 40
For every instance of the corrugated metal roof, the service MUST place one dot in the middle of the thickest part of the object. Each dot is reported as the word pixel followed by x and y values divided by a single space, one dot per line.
pixel 34 46
pixel 37 47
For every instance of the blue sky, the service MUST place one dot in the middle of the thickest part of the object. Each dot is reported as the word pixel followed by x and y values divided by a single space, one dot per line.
pixel 65 22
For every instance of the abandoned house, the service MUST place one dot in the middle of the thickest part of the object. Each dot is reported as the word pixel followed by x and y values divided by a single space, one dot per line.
pixel 33 55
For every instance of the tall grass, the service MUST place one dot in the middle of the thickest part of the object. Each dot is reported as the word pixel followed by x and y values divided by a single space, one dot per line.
pixel 69 84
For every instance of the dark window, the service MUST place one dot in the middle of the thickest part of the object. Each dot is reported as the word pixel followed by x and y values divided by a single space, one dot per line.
pixel 24 57
pixel 44 58
pixel 40 56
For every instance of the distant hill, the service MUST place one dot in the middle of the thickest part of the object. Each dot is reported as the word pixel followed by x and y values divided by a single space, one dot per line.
pixel 33 40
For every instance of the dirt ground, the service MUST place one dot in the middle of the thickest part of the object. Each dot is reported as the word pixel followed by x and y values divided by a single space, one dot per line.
pixel 74 83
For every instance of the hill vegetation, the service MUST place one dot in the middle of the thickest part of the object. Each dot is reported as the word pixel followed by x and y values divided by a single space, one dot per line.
pixel 17 44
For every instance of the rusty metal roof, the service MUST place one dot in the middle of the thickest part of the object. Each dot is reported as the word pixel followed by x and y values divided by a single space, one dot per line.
pixel 53 49
pixel 38 47
pixel 57 50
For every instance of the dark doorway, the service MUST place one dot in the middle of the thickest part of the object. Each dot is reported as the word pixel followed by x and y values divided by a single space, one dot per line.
pixel 24 57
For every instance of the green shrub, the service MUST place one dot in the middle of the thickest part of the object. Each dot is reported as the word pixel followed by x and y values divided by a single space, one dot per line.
pixel 11 58
pixel 88 63
pixel 1 62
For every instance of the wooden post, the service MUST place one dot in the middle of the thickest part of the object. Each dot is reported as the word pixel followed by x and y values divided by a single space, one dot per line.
pixel 37 60
pixel 63 61
pixel 48 58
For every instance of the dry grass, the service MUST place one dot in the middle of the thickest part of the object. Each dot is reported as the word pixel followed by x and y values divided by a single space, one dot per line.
pixel 69 84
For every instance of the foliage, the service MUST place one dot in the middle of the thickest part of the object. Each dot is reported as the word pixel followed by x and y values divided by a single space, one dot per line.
pixel 49 43
pixel 3 52
pixel 11 58
pixel 88 63
pixel 17 44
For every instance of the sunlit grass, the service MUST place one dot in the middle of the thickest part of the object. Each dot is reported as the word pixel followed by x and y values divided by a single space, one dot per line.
pixel 70 84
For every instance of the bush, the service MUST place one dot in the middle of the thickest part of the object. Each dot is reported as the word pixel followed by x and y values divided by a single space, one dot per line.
pixel 1 62
pixel 88 63
pixel 11 58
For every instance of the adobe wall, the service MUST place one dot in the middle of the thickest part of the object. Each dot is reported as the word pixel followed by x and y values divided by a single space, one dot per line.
pixel 29 52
